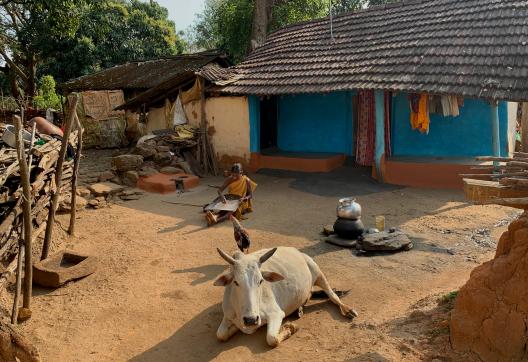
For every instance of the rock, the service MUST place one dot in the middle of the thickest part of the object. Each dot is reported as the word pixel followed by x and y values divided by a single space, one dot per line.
pixel 184 165
pixel 93 203
pixel 83 191
pixel 131 192
pixel 385 241
pixel 105 188
pixel 130 178
pixel 163 149
pixel 145 150
pixel 105 176
pixel 147 171
pixel 344 243
pixel 130 197
pixel 162 157
pixel 116 180
pixel 169 170
pixel 125 163
pixel 328 230
pixel 491 309
pixel 65 205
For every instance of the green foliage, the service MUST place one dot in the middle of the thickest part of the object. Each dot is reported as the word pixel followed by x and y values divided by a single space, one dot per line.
pixel 47 96
pixel 226 24
pixel 27 28
pixel 113 32
pixel 4 85
pixel 448 300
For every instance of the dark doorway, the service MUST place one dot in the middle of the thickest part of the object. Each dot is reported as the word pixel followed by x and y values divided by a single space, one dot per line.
pixel 268 122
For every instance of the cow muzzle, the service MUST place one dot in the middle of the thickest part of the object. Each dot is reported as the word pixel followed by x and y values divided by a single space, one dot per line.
pixel 251 321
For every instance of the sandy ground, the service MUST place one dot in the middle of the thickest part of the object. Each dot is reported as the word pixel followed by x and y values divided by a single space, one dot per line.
pixel 153 299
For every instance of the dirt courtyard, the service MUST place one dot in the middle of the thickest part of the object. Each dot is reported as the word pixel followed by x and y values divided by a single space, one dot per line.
pixel 153 299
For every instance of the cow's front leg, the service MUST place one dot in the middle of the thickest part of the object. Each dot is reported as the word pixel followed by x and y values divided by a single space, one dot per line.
pixel 225 330
pixel 277 333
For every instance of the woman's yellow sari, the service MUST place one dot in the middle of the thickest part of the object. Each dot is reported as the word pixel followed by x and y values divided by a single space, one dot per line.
pixel 239 188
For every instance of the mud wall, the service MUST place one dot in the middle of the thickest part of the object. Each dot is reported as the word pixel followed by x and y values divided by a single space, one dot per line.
pixel 491 312
pixel 228 120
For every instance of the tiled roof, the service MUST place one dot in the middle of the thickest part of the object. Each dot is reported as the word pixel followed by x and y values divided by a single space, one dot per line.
pixel 475 48
pixel 143 75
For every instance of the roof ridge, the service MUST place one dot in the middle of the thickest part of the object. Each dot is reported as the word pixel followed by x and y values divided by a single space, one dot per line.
pixel 394 4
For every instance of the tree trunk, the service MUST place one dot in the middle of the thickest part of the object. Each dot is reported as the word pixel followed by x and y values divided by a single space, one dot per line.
pixel 31 90
pixel 15 89
pixel 261 15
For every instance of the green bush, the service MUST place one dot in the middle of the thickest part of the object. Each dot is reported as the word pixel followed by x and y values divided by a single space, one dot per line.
pixel 47 96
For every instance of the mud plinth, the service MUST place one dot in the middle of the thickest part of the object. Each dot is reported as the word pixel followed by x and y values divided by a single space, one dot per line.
pixel 491 312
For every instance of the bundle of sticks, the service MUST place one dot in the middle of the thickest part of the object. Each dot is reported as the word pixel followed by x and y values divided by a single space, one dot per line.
pixel 44 160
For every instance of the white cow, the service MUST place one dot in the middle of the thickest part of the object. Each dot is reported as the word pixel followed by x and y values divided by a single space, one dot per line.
pixel 264 287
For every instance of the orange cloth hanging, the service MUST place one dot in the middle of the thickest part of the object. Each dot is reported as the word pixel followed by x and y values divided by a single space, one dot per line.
pixel 420 117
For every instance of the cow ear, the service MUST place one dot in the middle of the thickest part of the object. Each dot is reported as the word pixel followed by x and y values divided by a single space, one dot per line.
pixel 272 277
pixel 223 280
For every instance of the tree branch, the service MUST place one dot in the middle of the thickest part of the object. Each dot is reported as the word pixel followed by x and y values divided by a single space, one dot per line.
pixel 13 66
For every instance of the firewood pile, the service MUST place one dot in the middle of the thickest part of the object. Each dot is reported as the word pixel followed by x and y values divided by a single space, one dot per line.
pixel 505 182
pixel 45 155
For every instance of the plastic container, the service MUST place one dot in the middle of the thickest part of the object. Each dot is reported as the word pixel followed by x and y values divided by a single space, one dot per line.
pixel 9 136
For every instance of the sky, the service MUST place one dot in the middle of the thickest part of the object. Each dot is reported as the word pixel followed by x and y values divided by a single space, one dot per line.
pixel 182 12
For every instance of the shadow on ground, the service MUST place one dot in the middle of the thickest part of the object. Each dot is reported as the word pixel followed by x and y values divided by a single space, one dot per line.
pixel 348 180
pixel 196 339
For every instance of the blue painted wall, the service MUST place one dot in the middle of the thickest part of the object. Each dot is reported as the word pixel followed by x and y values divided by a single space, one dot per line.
pixel 469 134
pixel 316 123
pixel 254 123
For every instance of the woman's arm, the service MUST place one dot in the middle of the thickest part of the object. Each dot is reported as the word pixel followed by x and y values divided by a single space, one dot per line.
pixel 249 192
pixel 223 187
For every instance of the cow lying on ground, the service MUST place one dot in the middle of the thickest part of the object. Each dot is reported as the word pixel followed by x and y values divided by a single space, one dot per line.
pixel 266 286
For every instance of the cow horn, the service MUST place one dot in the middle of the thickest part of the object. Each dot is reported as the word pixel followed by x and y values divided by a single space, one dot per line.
pixel 268 255
pixel 226 257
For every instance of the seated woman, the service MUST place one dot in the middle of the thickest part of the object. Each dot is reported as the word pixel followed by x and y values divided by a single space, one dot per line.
pixel 239 187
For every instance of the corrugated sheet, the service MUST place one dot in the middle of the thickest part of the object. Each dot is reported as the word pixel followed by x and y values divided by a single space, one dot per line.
pixel 143 75
pixel 475 48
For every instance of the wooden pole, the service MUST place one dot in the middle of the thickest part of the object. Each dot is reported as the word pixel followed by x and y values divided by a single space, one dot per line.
pixel 58 178
pixel 524 126
pixel 203 126
pixel 380 133
pixel 28 228
pixel 20 258
pixel 495 135
pixel 73 211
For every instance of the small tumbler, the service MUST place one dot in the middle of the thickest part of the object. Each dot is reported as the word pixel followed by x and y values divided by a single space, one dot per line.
pixel 380 223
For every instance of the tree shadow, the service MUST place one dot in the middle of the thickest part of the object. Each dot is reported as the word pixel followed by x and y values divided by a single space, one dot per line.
pixel 209 272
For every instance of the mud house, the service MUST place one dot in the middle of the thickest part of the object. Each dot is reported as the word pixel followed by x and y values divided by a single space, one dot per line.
pixel 414 89
pixel 127 101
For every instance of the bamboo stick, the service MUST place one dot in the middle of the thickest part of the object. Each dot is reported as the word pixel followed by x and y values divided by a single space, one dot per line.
pixel 24 175
pixel 73 211
pixel 58 179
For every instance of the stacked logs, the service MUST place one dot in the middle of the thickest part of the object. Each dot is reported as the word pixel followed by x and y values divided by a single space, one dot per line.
pixel 508 171
pixel 43 185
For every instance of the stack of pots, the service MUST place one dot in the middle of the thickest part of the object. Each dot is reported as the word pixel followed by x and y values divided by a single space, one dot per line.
pixel 348 224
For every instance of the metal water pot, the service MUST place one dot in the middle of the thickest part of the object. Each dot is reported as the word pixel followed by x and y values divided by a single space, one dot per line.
pixel 348 208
